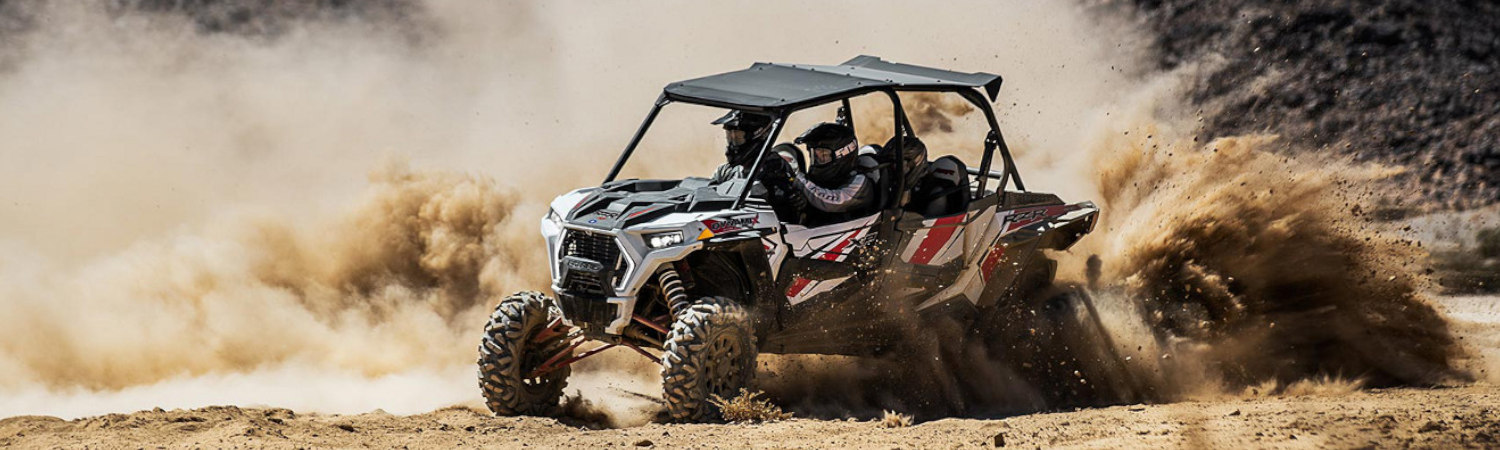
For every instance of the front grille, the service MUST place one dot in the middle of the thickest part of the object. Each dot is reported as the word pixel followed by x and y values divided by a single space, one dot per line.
pixel 597 247
pixel 590 313
pixel 586 286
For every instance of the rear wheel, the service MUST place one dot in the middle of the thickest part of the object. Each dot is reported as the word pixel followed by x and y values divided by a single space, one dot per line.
pixel 511 351
pixel 709 351
pixel 1086 368
pixel 1055 340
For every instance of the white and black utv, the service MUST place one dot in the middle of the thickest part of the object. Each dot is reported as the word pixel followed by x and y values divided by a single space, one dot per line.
pixel 701 276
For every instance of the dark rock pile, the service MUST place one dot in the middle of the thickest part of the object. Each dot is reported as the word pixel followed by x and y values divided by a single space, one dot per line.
pixel 1409 83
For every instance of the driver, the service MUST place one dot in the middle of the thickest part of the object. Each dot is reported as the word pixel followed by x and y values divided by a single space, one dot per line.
pixel 744 134
pixel 833 183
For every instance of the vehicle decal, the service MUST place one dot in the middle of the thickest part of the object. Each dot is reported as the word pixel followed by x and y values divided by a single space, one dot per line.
pixel 933 240
pixel 730 225
pixel 1021 218
pixel 643 211
pixel 809 242
pixel 991 258
pixel 775 253
pixel 798 284
pixel 837 253
pixel 803 289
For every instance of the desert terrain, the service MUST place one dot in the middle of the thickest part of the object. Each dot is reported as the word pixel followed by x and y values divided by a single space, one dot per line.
pixel 254 223
pixel 1460 417
pixel 1311 414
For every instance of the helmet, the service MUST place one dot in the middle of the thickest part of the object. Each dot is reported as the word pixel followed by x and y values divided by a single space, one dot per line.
pixel 744 132
pixel 833 150
pixel 913 158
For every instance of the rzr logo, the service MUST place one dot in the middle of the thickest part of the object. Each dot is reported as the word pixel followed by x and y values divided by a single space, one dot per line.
pixel 731 225
pixel 1029 215
pixel 1021 219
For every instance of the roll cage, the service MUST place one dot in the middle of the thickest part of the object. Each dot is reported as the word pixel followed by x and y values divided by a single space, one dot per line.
pixel 779 90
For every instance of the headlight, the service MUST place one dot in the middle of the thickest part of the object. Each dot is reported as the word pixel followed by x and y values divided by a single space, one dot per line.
pixel 662 240
pixel 553 217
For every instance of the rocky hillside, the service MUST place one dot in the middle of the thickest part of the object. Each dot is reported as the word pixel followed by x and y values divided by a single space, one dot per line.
pixel 1403 82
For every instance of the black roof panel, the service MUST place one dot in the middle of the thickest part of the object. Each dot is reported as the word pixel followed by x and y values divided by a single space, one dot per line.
pixel 773 85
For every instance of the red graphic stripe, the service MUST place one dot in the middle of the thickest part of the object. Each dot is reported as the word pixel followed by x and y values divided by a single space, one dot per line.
pixel 987 267
pixel 838 250
pixel 797 286
pixel 936 238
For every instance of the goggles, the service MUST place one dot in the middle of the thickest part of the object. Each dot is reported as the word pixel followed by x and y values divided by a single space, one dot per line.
pixel 821 155
pixel 736 137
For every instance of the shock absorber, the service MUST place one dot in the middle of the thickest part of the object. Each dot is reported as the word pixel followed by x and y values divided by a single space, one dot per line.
pixel 672 290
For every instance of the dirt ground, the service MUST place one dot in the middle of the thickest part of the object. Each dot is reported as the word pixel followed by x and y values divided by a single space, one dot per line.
pixel 1317 414
pixel 1432 418
pixel 232 264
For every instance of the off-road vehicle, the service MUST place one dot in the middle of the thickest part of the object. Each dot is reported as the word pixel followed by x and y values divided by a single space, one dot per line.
pixel 702 276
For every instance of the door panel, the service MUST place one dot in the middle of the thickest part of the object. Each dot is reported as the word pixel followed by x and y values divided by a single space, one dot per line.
pixel 936 242
pixel 834 242
pixel 824 283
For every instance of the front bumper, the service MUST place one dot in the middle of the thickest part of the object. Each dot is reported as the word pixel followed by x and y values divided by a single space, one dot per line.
pixel 596 316
pixel 606 308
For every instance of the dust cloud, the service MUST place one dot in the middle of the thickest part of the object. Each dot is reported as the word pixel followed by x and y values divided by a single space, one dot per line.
pixel 316 208
pixel 201 205
pixel 392 286
pixel 198 215
pixel 1266 265
pixel 1230 269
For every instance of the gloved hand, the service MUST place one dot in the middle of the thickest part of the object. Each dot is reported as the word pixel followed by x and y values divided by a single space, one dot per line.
pixel 776 173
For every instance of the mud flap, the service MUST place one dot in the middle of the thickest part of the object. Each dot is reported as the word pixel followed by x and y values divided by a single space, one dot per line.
pixel 1124 380
pixel 1063 236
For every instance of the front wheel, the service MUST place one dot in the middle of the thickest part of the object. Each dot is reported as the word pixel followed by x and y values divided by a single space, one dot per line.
pixel 511 351
pixel 709 351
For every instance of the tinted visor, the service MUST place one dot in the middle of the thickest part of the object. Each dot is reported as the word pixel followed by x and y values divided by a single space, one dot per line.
pixel 821 155
pixel 736 137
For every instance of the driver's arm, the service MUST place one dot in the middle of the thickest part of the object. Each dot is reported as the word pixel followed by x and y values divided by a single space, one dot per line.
pixel 850 197
pixel 725 172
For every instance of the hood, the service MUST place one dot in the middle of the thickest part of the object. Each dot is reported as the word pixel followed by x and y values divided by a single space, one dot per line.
pixel 622 204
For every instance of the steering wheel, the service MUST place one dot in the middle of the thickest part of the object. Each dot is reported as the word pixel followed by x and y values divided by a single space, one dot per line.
pixel 792 154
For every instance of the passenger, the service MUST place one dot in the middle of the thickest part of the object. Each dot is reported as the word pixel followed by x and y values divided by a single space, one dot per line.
pixel 832 182
pixel 914 160
pixel 914 163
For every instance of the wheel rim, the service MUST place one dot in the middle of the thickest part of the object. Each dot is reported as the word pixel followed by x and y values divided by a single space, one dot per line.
pixel 724 352
pixel 533 355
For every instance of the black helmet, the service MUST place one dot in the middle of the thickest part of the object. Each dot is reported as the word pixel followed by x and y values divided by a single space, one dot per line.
pixel 833 150
pixel 913 158
pixel 744 133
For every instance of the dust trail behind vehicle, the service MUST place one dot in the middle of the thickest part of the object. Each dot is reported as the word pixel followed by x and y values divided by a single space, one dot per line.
pixel 1263 263
pixel 194 213
pixel 196 210
pixel 1228 265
